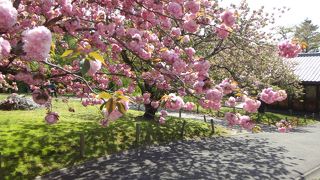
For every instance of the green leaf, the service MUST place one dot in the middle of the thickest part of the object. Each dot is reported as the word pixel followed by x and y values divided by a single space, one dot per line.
pixel 67 53
pixel 97 56
pixel 102 105
pixel 84 67
pixel 121 108
pixel 75 55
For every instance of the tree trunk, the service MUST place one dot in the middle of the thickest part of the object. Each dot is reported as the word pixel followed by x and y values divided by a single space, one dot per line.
pixel 262 107
pixel 149 112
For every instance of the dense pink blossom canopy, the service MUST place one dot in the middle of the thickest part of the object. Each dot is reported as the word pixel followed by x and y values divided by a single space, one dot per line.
pixel 95 46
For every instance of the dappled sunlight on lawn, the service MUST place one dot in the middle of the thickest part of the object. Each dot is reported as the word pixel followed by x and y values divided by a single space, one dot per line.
pixel 29 147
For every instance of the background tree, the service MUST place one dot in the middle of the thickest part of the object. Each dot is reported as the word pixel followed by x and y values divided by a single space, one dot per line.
pixel 306 34
pixel 285 32
pixel 250 57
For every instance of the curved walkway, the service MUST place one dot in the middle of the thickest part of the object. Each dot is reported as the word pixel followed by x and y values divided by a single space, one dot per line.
pixel 268 155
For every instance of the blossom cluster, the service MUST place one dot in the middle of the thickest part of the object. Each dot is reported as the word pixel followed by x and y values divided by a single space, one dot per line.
pixel 5 48
pixel 174 102
pixel 8 15
pixel 237 119
pixel 270 96
pixel 163 115
pixel 283 126
pixel 37 43
pixel 251 105
pixel 231 102
pixel 288 49
pixel 52 117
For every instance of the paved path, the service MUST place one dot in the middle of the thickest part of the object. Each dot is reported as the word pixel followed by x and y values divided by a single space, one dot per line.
pixel 267 155
pixel 235 130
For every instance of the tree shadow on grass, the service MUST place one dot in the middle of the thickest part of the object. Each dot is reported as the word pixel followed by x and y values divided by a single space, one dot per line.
pixel 33 149
pixel 216 158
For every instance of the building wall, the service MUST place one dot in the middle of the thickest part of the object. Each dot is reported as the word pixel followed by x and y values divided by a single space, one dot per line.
pixel 310 102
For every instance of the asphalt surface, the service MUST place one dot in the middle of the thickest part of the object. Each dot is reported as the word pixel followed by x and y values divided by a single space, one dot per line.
pixel 267 155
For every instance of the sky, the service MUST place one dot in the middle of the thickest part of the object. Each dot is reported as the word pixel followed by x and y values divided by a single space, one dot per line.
pixel 299 10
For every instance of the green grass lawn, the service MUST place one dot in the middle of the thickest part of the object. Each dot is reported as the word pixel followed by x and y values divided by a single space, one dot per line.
pixel 29 147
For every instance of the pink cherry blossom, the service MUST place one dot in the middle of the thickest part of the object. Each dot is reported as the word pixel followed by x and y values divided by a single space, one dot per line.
pixel 114 115
pixel 162 120
pixel 66 6
pixel 5 48
pixel 175 9
pixel 268 96
pixel 198 86
pixel 146 98
pixel 251 105
pixel 288 49
pixel 222 31
pixel 281 95
pixel 8 15
pixel 191 26
pixel 25 77
pixel 186 39
pixel 37 43
pixel 246 122
pixel 116 48
pixel 163 113
pixel 52 117
pixel 95 66
pixel 209 104
pixel 176 32
pixel 174 103
pixel 40 96
pixel 227 86
pixel 214 95
pixel 192 6
pixel 283 126
pixel 228 18
pixel 189 106
pixel 282 129
pixel 139 99
pixel 231 118
pixel 231 102
pixel 190 52
pixel 155 104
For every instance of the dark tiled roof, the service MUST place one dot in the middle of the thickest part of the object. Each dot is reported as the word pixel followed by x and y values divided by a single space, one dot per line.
pixel 308 67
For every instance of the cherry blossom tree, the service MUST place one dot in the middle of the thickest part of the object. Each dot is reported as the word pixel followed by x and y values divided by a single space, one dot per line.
pixel 103 51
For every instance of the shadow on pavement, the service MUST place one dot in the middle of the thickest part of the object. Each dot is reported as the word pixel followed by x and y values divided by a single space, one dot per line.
pixel 215 158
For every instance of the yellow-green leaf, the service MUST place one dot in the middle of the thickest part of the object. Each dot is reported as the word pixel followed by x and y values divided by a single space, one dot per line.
pixel 163 49
pixel 110 105
pixel 97 56
pixel 53 48
pixel 121 108
pixel 67 53
pixel 76 54
pixel 104 95
pixel 125 98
